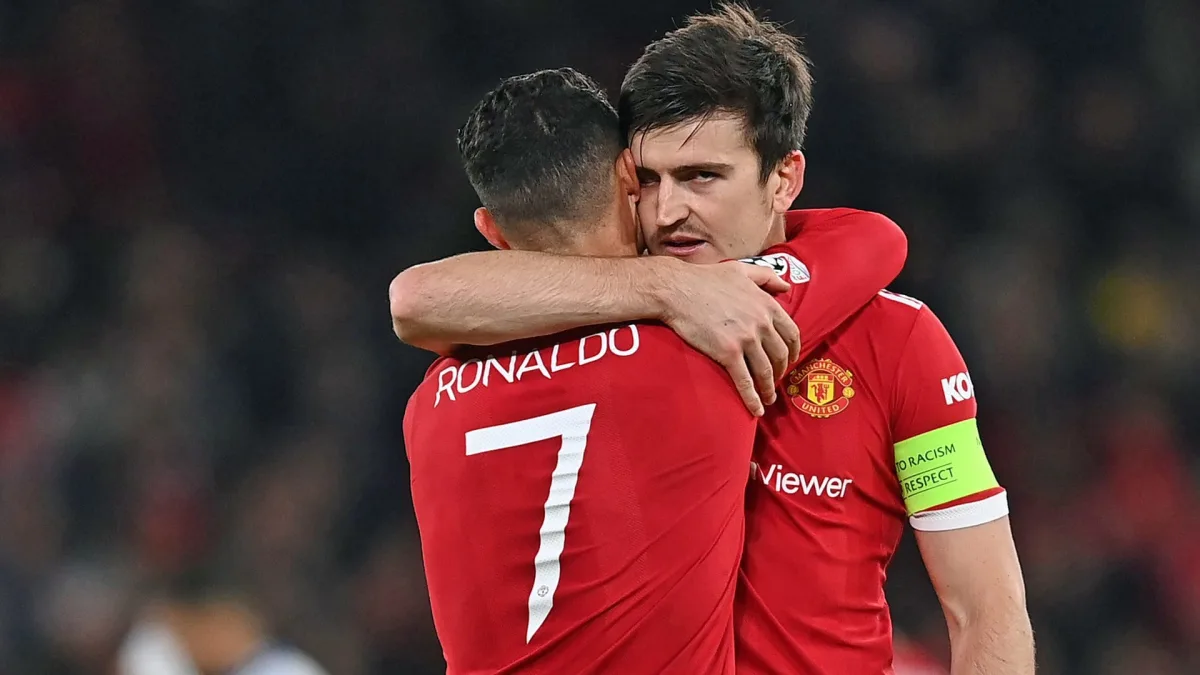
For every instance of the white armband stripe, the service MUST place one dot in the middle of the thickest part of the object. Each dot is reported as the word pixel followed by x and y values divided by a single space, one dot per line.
pixel 962 516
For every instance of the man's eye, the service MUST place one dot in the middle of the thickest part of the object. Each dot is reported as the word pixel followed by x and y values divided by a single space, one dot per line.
pixel 705 176
pixel 647 180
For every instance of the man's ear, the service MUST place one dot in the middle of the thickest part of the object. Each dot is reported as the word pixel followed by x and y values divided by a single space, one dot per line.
pixel 486 224
pixel 627 174
pixel 791 181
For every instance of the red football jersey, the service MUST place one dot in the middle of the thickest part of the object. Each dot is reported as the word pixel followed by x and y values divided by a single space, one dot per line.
pixel 580 500
pixel 580 505
pixel 878 424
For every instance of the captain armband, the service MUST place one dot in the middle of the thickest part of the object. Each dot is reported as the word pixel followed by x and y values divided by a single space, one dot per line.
pixel 943 465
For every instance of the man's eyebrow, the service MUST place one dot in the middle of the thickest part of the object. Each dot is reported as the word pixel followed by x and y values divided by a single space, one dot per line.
pixel 710 167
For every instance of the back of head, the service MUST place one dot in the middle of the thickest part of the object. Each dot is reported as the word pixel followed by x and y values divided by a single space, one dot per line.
pixel 539 150
pixel 726 62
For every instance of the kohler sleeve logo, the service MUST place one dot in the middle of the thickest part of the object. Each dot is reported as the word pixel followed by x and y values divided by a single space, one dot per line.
pixel 957 388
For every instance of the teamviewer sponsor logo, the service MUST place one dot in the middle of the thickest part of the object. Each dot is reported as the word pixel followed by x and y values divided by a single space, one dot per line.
pixel 787 482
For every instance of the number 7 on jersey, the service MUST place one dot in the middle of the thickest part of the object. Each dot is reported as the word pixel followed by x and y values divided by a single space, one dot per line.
pixel 572 425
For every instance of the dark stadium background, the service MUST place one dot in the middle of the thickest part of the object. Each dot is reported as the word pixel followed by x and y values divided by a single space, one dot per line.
pixel 202 203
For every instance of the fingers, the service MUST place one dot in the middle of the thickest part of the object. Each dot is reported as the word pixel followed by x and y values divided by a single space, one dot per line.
pixel 766 279
pixel 761 371
pixel 789 332
pixel 777 353
pixel 745 386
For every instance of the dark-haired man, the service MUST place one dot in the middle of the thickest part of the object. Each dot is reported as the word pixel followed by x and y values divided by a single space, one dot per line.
pixel 580 497
pixel 879 425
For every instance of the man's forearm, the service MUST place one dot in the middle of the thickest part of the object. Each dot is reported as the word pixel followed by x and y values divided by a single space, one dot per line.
pixel 495 296
pixel 998 643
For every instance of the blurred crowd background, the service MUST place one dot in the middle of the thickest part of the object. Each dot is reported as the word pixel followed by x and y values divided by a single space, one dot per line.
pixel 202 203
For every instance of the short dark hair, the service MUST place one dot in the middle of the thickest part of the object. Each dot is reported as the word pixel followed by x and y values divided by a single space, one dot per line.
pixel 539 148
pixel 729 61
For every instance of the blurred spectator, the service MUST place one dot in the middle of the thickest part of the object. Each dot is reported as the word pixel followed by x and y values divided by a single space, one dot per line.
pixel 204 624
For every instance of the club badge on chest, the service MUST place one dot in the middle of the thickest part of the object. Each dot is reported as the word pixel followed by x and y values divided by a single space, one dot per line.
pixel 821 388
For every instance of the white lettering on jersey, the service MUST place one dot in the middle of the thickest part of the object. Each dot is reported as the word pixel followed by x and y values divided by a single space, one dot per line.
pixel 790 483
pixel 454 381
pixel 532 362
pixel 555 366
pixel 633 345
pixel 957 388
pixel 492 364
pixel 785 265
pixel 600 350
pixel 478 375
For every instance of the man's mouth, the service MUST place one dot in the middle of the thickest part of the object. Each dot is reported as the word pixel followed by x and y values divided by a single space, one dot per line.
pixel 682 246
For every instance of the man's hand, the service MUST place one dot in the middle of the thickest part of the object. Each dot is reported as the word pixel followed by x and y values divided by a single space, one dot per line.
pixel 726 312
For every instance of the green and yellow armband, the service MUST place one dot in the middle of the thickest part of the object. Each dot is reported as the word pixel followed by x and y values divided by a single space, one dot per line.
pixel 942 465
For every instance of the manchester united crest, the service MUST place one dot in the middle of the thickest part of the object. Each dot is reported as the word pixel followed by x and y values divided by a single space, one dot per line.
pixel 821 388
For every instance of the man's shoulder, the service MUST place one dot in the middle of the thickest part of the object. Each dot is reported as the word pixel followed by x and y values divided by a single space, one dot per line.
pixel 896 329
pixel 889 312
pixel 798 219
pixel 650 331
pixel 602 356
pixel 592 342
pixel 785 258
pixel 868 346
pixel 833 213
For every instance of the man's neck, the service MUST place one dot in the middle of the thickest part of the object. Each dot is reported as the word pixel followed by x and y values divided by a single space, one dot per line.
pixel 608 239
pixel 600 247
pixel 778 232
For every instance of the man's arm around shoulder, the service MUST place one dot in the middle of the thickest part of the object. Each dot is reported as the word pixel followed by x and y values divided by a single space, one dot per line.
pixel 496 296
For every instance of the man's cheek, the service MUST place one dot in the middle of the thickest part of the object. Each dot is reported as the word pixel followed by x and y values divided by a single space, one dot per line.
pixel 645 212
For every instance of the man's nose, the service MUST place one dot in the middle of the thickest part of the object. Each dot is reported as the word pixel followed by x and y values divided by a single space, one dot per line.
pixel 672 204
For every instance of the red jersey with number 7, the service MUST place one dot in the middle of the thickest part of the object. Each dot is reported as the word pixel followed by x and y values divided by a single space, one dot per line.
pixel 580 505
pixel 580 499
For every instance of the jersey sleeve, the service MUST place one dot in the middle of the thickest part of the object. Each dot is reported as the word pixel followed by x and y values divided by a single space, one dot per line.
pixel 836 264
pixel 945 478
